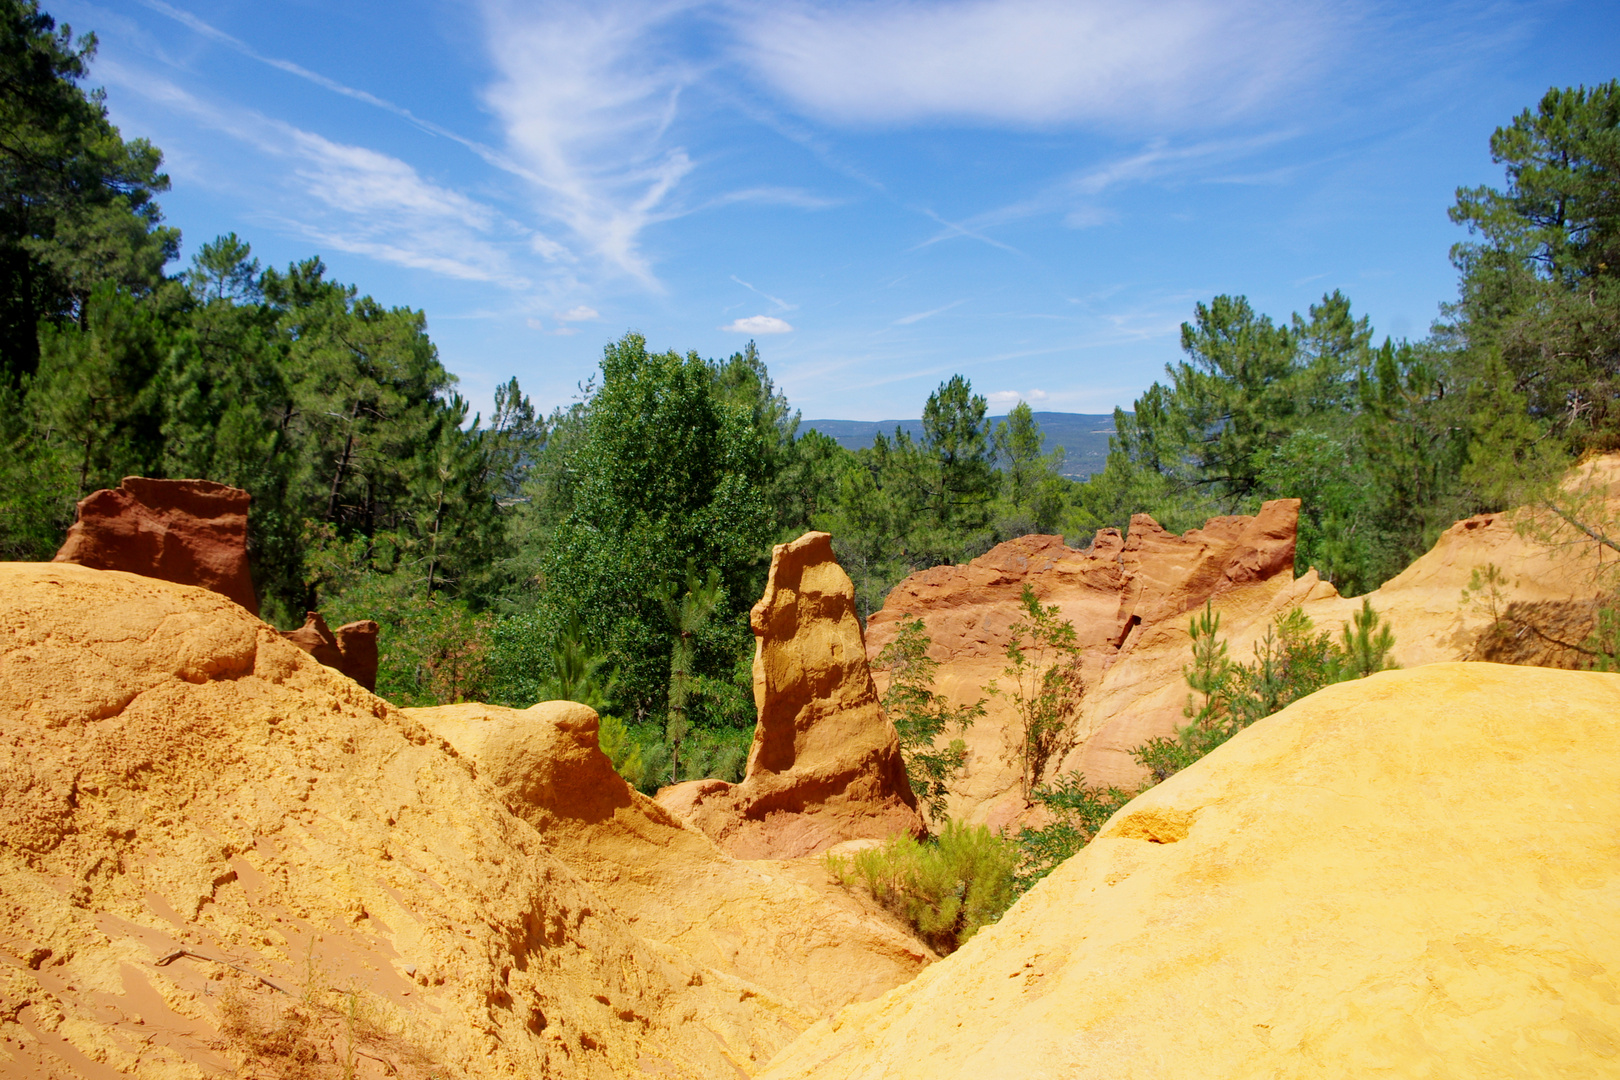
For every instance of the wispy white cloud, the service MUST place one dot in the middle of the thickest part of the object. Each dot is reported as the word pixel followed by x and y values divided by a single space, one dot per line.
pixel 1033 61
pixel 781 305
pixel 586 100
pixel 907 320
pixel 579 314
pixel 797 198
pixel 1076 196
pixel 347 197
pixel 758 324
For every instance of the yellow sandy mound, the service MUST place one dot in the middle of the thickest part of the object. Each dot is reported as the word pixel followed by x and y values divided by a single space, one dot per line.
pixel 1417 874
pixel 217 855
pixel 806 945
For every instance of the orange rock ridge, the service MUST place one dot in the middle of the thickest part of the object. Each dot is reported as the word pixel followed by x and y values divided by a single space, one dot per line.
pixel 1117 593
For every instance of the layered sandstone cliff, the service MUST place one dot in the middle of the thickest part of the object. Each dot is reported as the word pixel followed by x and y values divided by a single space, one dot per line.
pixel 1408 875
pixel 825 765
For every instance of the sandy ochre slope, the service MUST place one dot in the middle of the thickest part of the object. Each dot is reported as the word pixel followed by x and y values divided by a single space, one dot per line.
pixel 216 854
pixel 1416 874
pixel 807 945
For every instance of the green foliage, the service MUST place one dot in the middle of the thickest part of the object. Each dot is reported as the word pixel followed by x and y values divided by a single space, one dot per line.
pixel 1044 666
pixel 687 615
pixel 1034 494
pixel 668 469
pixel 76 209
pixel 905 504
pixel 626 754
pixel 576 673
pixel 1290 662
pixel 1078 810
pixel 946 888
pixel 921 718
pixel 1603 645
pixel 1541 287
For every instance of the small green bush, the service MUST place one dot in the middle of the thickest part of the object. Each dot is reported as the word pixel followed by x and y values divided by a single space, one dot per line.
pixel 946 888
pixel 1079 811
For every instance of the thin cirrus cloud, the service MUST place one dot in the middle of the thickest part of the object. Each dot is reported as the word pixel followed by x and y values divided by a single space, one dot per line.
pixel 347 197
pixel 586 103
pixel 758 324
pixel 1033 62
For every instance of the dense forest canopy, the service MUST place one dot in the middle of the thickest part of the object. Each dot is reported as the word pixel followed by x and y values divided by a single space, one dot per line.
pixel 610 551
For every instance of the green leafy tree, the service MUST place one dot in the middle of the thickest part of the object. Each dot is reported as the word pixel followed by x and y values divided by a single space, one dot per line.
pixel 98 392
pixel 958 473
pixel 921 718
pixel 1044 667
pixel 687 615
pixel 76 206
pixel 1035 491
pixel 1541 286
pixel 665 472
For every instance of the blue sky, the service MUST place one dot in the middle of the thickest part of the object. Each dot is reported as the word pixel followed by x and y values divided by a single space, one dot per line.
pixel 1033 193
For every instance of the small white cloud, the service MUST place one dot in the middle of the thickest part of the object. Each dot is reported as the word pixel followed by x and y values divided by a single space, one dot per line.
pixel 1013 397
pixel 758 324
pixel 579 314
pixel 535 324
pixel 566 331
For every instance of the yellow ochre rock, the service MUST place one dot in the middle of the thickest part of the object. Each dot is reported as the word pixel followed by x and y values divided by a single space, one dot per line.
pixel 785 933
pixel 218 857
pixel 825 766
pixel 1415 874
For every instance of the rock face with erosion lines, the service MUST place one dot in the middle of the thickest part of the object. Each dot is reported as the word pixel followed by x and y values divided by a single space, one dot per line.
pixel 1117 592
pixel 193 532
pixel 793 938
pixel 825 766
pixel 218 857
pixel 1412 874
pixel 351 648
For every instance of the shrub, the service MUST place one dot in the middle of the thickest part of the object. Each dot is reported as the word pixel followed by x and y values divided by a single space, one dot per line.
pixel 1044 666
pixel 946 888
pixel 1079 810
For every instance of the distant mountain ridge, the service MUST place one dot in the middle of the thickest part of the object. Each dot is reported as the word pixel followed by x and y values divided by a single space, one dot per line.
pixel 1083 436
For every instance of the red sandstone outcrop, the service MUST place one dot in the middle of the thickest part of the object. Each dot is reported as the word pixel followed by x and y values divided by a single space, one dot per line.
pixel 351 648
pixel 193 532
pixel 1115 593
pixel 825 766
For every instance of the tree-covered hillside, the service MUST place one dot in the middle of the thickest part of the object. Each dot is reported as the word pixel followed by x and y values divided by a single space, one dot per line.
pixel 609 551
